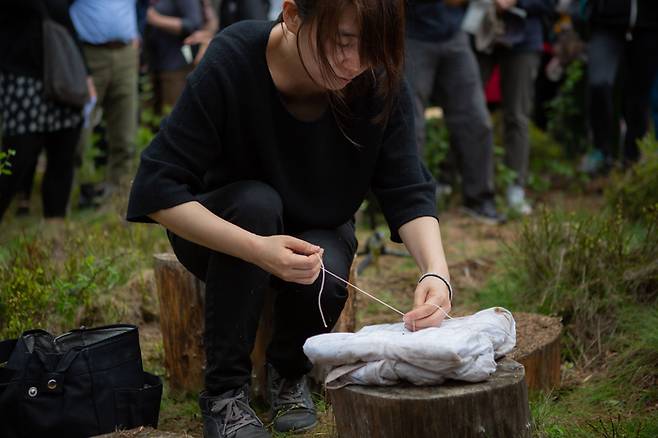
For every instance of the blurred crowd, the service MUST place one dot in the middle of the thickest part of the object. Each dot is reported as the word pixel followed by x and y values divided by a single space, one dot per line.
pixel 70 66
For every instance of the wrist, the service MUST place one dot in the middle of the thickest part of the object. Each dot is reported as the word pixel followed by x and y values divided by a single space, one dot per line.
pixel 252 247
pixel 445 279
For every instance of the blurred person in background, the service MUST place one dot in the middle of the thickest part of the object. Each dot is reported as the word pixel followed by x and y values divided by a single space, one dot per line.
pixel 624 36
pixel 30 121
pixel 438 52
pixel 517 52
pixel 170 60
pixel 108 30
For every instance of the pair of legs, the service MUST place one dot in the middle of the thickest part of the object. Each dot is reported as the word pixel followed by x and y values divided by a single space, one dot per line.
pixel 167 87
pixel 56 186
pixel 451 67
pixel 114 71
pixel 235 289
pixel 608 51
pixel 518 71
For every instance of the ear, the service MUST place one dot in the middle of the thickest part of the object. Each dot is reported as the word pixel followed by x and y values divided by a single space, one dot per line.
pixel 291 16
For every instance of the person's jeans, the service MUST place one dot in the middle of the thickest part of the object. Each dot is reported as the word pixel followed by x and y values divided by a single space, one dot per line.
pixel 449 69
pixel 608 50
pixel 114 71
pixel 518 71
pixel 235 289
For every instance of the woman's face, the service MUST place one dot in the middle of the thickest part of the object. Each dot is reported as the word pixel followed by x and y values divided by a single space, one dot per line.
pixel 343 54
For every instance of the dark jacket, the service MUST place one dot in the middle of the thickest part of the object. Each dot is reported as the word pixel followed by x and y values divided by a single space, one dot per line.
pixel 21 35
pixel 533 36
pixel 617 13
pixel 433 21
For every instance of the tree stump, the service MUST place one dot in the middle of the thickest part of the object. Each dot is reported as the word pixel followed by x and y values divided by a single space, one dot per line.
pixel 538 349
pixel 497 408
pixel 181 297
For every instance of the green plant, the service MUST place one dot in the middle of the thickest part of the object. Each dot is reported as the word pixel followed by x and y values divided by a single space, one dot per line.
pixel 58 278
pixel 567 122
pixel 5 164
pixel 582 268
pixel 635 191
pixel 437 145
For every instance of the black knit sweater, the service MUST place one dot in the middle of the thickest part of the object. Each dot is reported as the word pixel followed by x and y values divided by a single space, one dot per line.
pixel 231 125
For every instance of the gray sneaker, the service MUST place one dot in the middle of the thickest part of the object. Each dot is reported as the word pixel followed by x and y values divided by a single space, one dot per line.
pixel 291 403
pixel 229 416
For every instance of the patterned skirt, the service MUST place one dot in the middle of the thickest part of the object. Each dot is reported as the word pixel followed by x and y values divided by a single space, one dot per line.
pixel 25 110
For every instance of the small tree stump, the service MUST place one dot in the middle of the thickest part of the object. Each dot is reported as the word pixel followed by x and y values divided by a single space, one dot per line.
pixel 538 349
pixel 181 297
pixel 497 408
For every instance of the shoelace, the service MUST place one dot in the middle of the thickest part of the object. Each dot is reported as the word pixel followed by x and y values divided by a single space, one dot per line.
pixel 290 395
pixel 238 413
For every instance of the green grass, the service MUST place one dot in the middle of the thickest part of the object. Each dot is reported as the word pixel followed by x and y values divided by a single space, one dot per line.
pixel 597 272
pixel 62 275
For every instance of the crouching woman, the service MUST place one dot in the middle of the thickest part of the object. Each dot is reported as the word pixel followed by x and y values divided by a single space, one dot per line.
pixel 280 133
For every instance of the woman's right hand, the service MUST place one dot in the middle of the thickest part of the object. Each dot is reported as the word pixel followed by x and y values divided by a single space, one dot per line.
pixel 291 259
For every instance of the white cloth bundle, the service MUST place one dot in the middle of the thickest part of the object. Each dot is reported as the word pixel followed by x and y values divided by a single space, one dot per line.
pixel 462 349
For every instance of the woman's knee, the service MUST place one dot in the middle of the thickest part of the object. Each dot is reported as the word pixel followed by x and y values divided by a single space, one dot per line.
pixel 252 205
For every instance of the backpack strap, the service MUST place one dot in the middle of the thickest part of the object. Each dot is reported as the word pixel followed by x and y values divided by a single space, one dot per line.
pixel 6 348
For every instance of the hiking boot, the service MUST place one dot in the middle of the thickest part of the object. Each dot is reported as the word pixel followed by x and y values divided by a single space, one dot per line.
pixel 229 416
pixel 484 211
pixel 291 403
pixel 517 201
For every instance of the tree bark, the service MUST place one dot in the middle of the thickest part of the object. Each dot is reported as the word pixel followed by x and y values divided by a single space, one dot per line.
pixel 181 297
pixel 497 408
pixel 538 349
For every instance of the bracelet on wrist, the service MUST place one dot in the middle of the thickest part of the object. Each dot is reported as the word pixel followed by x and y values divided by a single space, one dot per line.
pixel 434 274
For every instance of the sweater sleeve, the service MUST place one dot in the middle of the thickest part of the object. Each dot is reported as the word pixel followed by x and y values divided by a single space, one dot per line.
pixel 173 166
pixel 402 184
pixel 191 17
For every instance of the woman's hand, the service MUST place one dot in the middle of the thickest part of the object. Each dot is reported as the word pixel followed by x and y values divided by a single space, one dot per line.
pixel 430 294
pixel 288 258
pixel 201 37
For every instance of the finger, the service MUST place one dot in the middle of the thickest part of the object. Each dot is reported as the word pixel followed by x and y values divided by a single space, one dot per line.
pixel 418 313
pixel 303 277
pixel 301 246
pixel 434 320
pixel 300 262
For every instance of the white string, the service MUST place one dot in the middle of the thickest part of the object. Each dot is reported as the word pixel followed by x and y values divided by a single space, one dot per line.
pixel 441 309
pixel 320 294
pixel 324 321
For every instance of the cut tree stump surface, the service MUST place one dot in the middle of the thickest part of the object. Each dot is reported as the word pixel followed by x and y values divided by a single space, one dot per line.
pixel 497 408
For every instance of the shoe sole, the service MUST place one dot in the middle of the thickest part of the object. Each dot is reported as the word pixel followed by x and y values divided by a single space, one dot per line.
pixel 480 218
pixel 297 431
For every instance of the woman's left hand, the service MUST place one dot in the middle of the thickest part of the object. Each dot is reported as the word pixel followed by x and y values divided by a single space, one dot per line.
pixel 430 297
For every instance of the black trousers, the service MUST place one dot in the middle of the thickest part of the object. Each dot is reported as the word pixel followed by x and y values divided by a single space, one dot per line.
pixel 235 289
pixel 58 178
pixel 608 51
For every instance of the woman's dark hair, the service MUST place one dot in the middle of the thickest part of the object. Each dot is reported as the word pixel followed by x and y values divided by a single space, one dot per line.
pixel 381 46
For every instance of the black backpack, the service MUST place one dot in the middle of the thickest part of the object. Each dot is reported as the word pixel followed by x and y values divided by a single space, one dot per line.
pixel 83 383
